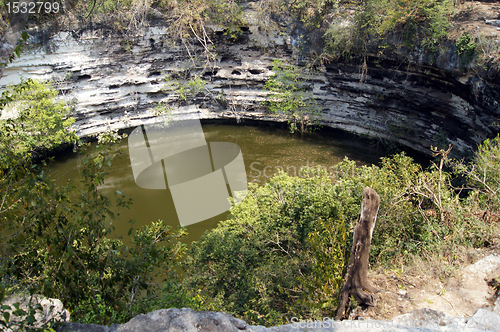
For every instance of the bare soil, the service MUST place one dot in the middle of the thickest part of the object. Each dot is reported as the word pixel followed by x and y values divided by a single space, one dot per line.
pixel 458 288
pixel 472 15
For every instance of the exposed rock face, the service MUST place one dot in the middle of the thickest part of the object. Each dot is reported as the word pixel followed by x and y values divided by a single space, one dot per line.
pixel 187 320
pixel 51 310
pixel 417 107
pixel 118 82
pixel 183 320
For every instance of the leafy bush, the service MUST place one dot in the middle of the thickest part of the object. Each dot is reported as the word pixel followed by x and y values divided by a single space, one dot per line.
pixel 56 240
pixel 33 124
pixel 343 40
pixel 327 243
pixel 33 120
pixel 420 212
pixel 194 86
pixel 466 47
pixel 400 227
pixel 386 25
pixel 288 95
pixel 265 262
pixel 282 252
pixel 67 252
pixel 483 175
pixel 313 12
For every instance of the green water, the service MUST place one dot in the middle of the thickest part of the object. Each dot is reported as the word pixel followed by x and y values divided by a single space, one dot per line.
pixel 265 149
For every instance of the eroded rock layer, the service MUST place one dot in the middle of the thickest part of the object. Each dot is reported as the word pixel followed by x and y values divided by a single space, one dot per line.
pixel 117 82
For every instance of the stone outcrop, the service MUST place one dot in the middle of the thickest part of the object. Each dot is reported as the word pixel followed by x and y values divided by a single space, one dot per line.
pixel 187 320
pixel 51 310
pixel 493 22
pixel 117 81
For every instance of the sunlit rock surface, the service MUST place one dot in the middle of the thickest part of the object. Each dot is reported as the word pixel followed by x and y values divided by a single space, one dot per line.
pixel 187 320
pixel 47 310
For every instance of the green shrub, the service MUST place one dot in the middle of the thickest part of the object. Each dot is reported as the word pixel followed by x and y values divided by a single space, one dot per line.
pixel 284 248
pixel 288 95
pixel 328 244
pixel 284 240
pixel 34 120
pixel 35 123
pixel 387 25
pixel 343 40
pixel 483 175
pixel 190 89
pixel 420 211
pixel 465 47
pixel 59 244
pixel 400 227
pixel 313 12
pixel 188 21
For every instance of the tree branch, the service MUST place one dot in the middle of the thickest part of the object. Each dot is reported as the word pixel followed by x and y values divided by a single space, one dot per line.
pixel 13 34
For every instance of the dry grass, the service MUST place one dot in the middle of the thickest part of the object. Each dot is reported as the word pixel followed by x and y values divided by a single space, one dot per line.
pixel 470 18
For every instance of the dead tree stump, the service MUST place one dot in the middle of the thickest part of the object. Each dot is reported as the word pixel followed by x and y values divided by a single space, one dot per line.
pixel 356 280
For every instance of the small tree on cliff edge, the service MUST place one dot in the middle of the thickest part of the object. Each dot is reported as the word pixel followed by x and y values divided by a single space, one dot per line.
pixel 289 95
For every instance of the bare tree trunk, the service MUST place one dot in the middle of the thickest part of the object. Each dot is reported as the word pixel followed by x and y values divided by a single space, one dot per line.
pixel 12 35
pixel 356 280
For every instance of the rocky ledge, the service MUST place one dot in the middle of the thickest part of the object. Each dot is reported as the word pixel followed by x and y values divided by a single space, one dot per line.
pixel 187 320
pixel 117 81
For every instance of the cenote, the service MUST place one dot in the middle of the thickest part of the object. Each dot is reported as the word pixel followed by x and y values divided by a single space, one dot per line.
pixel 265 148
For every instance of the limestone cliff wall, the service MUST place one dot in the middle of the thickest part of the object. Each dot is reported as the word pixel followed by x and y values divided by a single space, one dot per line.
pixel 117 82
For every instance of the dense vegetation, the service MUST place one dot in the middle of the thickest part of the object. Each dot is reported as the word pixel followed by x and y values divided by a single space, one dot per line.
pixel 281 253
pixel 54 240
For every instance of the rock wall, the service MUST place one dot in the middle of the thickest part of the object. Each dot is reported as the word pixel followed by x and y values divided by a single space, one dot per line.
pixel 117 81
